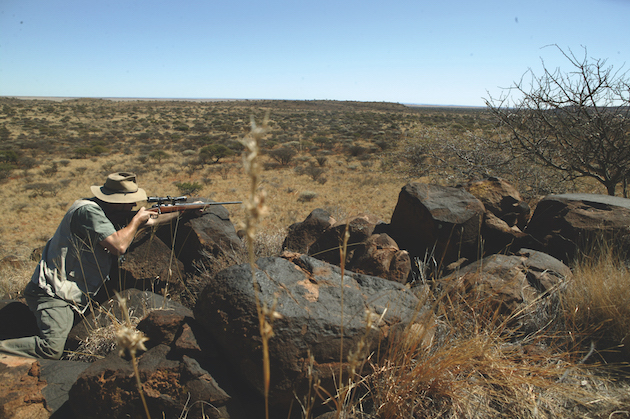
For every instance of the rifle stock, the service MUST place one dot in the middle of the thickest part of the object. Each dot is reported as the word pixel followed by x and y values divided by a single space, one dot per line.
pixel 172 204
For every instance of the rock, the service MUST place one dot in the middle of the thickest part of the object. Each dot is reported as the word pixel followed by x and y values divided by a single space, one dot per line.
pixel 210 235
pixel 380 256
pixel 302 235
pixel 305 293
pixel 508 283
pixel 148 265
pixel 107 389
pixel 21 389
pixel 440 220
pixel 564 225
pixel 499 237
pixel 208 243
pixel 162 326
pixel 139 303
pixel 501 199
pixel 16 320
pixel 59 377
pixel 327 246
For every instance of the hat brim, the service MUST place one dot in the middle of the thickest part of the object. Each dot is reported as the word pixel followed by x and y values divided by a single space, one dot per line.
pixel 111 197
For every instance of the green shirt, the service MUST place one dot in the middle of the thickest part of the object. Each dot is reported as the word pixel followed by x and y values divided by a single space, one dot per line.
pixel 74 265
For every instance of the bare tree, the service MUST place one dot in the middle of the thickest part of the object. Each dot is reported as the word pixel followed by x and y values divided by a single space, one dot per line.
pixel 577 122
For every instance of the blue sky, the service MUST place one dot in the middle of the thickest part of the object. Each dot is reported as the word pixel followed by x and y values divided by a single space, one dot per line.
pixel 446 52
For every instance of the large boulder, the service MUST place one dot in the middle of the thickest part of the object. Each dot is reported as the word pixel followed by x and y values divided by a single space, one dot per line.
pixel 206 243
pixel 508 284
pixel 210 239
pixel 313 307
pixel 148 265
pixel 441 220
pixel 563 225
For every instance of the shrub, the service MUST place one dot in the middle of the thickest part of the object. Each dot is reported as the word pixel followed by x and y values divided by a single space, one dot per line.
pixel 188 188
pixel 8 156
pixel 42 188
pixel 214 152
pixel 307 196
pixel 283 155
pixel 5 170
pixel 159 155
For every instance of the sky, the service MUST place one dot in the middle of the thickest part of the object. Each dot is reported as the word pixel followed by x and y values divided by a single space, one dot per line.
pixel 405 51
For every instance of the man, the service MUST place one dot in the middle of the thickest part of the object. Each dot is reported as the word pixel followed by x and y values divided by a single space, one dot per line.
pixel 76 262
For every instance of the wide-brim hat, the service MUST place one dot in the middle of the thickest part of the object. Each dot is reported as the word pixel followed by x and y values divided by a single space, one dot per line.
pixel 120 188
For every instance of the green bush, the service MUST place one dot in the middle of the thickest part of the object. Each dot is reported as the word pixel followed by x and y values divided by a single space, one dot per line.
pixel 188 188
pixel 5 170
pixel 214 152
pixel 159 155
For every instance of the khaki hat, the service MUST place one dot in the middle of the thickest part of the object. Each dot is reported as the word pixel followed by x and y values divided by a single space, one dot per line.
pixel 120 188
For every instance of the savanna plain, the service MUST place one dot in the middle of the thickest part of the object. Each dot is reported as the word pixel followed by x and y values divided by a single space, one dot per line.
pixel 349 158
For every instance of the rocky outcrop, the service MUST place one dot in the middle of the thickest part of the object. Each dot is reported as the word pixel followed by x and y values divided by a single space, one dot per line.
pixel 437 220
pixel 313 307
pixel 507 284
pixel 563 225
pixel 321 322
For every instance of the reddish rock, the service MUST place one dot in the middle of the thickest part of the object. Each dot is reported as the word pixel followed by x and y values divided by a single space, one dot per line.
pixel 501 199
pixel 379 255
pixel 21 389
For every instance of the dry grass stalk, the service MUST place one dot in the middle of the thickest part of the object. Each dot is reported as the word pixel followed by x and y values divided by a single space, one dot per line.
pixel 132 340
pixel 255 209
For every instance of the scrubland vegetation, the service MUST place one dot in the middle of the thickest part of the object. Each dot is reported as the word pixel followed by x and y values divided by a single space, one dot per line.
pixel 348 158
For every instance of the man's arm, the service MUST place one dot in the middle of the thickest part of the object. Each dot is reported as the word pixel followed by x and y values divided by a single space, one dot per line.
pixel 118 242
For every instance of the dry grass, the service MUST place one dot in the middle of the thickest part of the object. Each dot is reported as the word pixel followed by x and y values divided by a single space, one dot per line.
pixel 597 301
pixel 468 362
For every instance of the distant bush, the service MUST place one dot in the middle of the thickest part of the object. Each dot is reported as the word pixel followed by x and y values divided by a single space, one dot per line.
pixel 188 188
pixel 5 170
pixel 43 189
pixel 214 152
pixel 159 155
pixel 283 155
pixel 9 156
pixel 307 196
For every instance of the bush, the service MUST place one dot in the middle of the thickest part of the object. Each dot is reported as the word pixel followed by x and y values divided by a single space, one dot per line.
pixel 214 152
pixel 5 170
pixel 283 155
pixel 8 156
pixel 188 188
pixel 159 155
pixel 307 196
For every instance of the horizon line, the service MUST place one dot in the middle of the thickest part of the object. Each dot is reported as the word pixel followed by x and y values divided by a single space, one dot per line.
pixel 183 99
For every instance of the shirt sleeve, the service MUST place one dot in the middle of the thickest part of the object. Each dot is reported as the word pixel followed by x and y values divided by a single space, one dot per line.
pixel 90 224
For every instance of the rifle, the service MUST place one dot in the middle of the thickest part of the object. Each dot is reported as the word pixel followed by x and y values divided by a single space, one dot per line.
pixel 171 204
